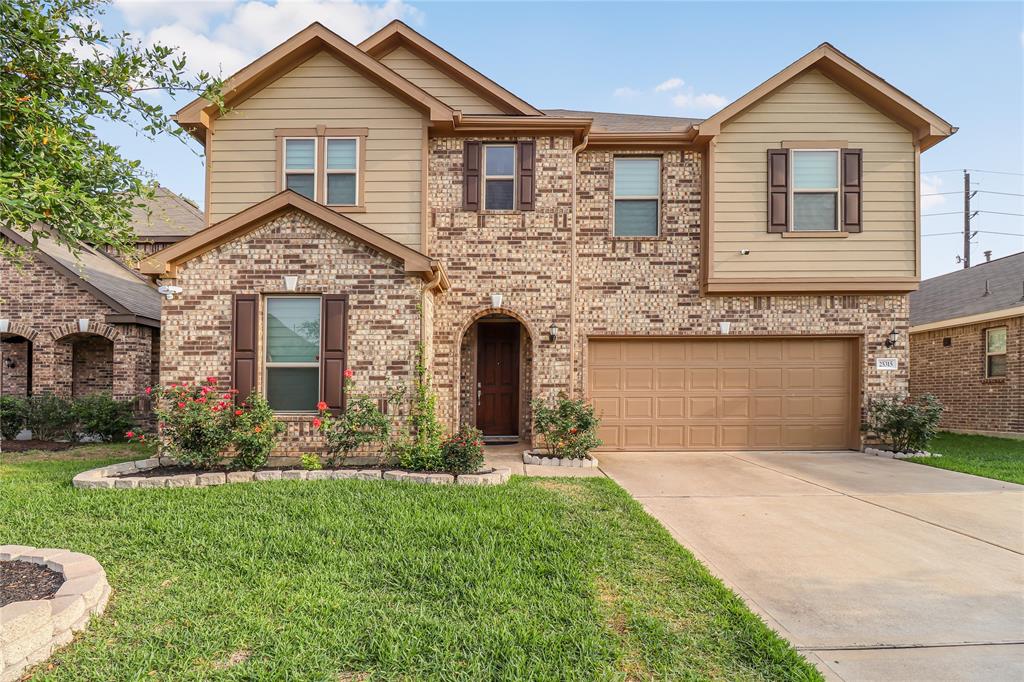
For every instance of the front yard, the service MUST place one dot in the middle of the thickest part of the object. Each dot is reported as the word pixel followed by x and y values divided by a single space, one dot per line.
pixel 347 580
pixel 999 458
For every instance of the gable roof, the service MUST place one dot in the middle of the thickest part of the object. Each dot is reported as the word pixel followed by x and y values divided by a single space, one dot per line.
pixel 928 127
pixel 607 122
pixel 398 34
pixel 164 263
pixel 167 217
pixel 995 287
pixel 196 116
pixel 102 276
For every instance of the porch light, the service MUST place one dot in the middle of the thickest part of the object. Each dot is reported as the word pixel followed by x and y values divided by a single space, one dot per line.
pixel 5 326
pixel 496 300
pixel 83 324
pixel 890 341
pixel 290 282
pixel 553 332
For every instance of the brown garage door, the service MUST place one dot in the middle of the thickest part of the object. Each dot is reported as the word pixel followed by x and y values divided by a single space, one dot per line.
pixel 723 394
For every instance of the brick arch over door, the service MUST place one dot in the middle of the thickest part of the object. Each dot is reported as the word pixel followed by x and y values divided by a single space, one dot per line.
pixel 527 378
pixel 23 330
pixel 97 328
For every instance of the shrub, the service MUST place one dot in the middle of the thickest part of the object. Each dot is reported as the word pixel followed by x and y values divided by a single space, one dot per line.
pixel 568 427
pixel 196 422
pixel 421 451
pixel 49 417
pixel 462 452
pixel 255 433
pixel 102 416
pixel 12 416
pixel 904 425
pixel 311 461
pixel 360 425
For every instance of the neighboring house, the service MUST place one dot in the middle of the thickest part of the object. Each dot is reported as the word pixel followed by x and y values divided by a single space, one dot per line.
pixel 76 326
pixel 718 284
pixel 967 346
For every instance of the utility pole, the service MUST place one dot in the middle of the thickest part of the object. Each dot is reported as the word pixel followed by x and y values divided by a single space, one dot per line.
pixel 967 219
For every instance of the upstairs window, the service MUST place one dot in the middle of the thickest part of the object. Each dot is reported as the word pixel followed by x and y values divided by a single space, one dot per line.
pixel 342 163
pixel 292 333
pixel 499 177
pixel 637 196
pixel 995 352
pixel 815 190
pixel 300 166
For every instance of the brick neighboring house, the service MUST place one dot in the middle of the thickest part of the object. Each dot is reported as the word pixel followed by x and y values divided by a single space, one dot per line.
pixel 711 284
pixel 77 326
pixel 967 346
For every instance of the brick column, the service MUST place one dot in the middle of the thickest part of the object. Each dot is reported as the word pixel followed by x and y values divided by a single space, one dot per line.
pixel 133 356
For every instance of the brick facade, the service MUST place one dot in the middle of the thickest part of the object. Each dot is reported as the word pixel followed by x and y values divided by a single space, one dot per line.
pixel 43 305
pixel 384 314
pixel 955 374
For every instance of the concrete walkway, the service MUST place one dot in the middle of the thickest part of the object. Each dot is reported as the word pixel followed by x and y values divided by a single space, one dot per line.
pixel 876 569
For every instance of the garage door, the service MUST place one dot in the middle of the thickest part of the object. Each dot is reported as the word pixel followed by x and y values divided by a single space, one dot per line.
pixel 723 394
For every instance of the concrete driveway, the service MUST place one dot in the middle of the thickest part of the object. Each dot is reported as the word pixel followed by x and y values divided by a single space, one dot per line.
pixel 876 569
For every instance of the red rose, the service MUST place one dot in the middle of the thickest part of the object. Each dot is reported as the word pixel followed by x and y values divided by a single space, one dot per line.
pixel 181 405
pixel 174 385
pixel 211 380
pixel 348 373
pixel 129 434
pixel 321 406
pixel 238 413
pixel 316 422
pixel 149 389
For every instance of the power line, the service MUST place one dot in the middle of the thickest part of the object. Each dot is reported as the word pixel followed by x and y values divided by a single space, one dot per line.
pixel 977 191
pixel 943 234
pixel 1002 213
pixel 972 170
pixel 929 215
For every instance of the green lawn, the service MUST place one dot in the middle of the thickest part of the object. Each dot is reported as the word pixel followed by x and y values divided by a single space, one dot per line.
pixel 542 579
pixel 999 458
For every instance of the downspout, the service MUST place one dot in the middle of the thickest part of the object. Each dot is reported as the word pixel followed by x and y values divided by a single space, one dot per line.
pixel 572 270
pixel 427 288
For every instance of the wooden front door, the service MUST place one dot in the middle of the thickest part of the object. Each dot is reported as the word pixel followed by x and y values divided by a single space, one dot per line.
pixel 497 371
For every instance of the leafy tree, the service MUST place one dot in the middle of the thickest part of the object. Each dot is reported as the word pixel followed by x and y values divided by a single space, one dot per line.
pixel 60 73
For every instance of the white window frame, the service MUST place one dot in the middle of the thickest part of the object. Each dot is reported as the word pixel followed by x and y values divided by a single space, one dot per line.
pixel 285 171
pixel 342 171
pixel 268 364
pixel 486 177
pixel 616 198
pixel 793 191
pixel 989 355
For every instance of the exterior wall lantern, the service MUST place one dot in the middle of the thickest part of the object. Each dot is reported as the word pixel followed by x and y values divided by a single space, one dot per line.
pixel 83 325
pixel 890 341
pixel 553 332
pixel 5 326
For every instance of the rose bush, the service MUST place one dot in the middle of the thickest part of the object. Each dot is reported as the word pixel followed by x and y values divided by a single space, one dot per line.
pixel 463 451
pixel 568 427
pixel 255 434
pixel 360 425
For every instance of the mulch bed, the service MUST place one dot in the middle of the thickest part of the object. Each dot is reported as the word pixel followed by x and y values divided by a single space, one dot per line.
pixel 180 470
pixel 23 445
pixel 24 581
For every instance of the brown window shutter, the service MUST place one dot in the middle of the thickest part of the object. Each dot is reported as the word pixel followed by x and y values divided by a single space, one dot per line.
pixel 243 344
pixel 853 180
pixel 778 190
pixel 471 176
pixel 526 160
pixel 333 354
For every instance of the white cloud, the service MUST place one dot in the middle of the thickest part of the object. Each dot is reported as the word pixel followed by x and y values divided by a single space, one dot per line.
pixel 931 185
pixel 670 84
pixel 223 37
pixel 625 92
pixel 702 103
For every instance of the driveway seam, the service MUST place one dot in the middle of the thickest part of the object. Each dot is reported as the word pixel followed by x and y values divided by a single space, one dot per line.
pixel 880 506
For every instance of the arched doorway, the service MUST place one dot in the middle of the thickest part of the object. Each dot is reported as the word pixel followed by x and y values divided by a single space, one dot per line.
pixel 496 368
pixel 15 365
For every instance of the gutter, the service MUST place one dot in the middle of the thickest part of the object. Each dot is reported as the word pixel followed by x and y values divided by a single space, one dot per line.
pixel 440 283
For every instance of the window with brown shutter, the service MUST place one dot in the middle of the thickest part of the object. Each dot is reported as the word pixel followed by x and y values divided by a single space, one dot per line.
pixel 245 316
pixel 778 190
pixel 335 347
pixel 853 175
pixel 525 171
pixel 471 176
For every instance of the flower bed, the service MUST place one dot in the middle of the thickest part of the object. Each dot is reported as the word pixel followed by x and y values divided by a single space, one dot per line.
pixel 544 459
pixel 146 475
pixel 879 452
pixel 33 629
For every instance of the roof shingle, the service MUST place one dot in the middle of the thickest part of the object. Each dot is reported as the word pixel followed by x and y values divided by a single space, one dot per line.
pixel 963 293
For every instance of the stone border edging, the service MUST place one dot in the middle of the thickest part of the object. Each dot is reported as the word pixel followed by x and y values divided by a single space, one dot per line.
pixel 108 476
pixel 529 457
pixel 878 452
pixel 30 631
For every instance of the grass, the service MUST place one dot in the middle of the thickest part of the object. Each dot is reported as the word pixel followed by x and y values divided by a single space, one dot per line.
pixel 999 458
pixel 540 579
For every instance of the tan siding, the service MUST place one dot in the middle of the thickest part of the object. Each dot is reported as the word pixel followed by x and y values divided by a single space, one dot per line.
pixel 440 85
pixel 812 107
pixel 323 91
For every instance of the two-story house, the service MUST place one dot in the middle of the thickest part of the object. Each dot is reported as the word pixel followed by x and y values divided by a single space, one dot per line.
pixel 738 282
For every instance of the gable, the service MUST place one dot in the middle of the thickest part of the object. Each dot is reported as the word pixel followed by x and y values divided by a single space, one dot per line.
pixel 440 85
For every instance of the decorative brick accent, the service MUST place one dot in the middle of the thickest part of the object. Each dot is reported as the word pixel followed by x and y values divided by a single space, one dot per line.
pixel 383 310
pixel 955 374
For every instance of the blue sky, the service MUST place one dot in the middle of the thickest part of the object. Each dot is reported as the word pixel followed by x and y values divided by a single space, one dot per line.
pixel 965 61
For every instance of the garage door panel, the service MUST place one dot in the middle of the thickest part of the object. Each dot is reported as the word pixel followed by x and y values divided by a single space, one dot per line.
pixel 747 393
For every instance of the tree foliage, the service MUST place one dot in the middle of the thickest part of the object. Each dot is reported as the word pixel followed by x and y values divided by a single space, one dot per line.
pixel 60 74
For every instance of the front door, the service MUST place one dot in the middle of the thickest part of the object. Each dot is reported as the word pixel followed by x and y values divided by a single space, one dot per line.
pixel 497 371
